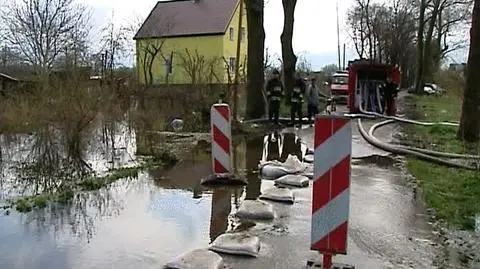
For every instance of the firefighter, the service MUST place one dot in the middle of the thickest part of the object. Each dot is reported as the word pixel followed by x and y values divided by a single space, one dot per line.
pixel 296 100
pixel 390 92
pixel 312 97
pixel 275 94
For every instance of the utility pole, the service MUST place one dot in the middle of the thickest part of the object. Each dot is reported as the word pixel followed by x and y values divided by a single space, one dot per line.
pixel 237 62
pixel 344 56
pixel 338 39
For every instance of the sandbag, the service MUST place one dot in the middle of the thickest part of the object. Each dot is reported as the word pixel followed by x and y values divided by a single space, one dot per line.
pixel 255 210
pixel 308 172
pixel 278 194
pixel 197 259
pixel 293 180
pixel 225 179
pixel 309 151
pixel 236 244
pixel 308 158
pixel 276 169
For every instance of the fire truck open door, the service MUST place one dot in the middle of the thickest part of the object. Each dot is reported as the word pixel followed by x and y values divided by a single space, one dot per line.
pixel 364 76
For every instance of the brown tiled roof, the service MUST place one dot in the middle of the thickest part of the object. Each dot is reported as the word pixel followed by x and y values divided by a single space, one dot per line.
pixel 188 18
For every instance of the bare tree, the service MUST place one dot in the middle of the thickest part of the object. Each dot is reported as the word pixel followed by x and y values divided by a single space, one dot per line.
pixel 256 47
pixel 289 58
pixel 114 44
pixel 40 29
pixel 385 32
pixel 199 68
pixel 470 123
pixel 149 50
pixel 303 65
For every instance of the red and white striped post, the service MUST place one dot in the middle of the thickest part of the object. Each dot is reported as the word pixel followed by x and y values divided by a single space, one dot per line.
pixel 221 139
pixel 331 194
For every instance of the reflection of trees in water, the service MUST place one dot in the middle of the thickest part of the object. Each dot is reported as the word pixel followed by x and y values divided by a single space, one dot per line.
pixel 80 216
pixel 254 148
pixel 56 158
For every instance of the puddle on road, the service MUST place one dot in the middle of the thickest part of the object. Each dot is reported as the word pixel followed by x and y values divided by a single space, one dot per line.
pixel 139 222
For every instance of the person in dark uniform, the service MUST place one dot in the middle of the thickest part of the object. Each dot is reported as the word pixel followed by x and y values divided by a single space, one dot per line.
pixel 275 93
pixel 389 93
pixel 296 99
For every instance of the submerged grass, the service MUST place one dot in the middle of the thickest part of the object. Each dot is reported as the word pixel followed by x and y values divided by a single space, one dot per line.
pixel 64 196
pixel 452 192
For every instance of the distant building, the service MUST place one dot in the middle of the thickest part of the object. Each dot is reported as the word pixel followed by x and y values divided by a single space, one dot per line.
pixel 458 67
pixel 193 42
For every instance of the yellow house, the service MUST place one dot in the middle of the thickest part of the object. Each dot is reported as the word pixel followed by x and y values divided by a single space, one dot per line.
pixel 191 41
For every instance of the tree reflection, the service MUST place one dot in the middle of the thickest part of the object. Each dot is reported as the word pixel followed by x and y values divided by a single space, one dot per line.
pixel 254 149
pixel 78 217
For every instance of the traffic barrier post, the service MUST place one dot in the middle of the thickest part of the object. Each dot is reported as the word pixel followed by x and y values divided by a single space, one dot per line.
pixel 221 139
pixel 331 194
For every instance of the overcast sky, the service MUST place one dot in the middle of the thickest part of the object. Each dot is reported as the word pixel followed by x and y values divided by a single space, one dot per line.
pixel 314 33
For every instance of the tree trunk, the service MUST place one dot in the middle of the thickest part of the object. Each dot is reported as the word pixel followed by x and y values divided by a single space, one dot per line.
pixel 420 48
pixel 470 122
pixel 288 56
pixel 256 47
pixel 428 55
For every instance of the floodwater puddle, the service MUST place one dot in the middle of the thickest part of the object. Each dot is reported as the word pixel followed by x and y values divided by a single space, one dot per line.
pixel 137 222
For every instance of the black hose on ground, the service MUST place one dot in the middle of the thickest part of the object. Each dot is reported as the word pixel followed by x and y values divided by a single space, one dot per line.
pixel 402 151
pixel 372 130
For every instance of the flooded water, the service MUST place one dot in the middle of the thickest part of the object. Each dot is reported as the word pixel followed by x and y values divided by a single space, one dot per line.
pixel 133 223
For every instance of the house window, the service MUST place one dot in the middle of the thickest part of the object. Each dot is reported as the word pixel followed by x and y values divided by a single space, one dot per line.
pixel 231 34
pixel 231 64
pixel 242 34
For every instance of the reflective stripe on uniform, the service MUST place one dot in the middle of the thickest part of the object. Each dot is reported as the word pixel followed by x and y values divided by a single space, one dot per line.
pixel 275 98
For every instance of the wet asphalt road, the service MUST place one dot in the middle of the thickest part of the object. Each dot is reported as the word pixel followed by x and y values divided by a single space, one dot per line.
pixel 386 228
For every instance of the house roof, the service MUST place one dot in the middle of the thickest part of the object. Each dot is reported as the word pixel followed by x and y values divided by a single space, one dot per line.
pixel 175 18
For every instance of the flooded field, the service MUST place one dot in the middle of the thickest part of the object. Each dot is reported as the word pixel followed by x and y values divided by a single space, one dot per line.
pixel 140 221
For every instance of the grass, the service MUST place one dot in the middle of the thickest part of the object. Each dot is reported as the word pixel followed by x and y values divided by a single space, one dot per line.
pixel 453 193
pixel 27 204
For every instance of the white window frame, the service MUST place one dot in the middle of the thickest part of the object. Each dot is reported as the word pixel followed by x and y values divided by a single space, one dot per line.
pixel 231 33
pixel 231 64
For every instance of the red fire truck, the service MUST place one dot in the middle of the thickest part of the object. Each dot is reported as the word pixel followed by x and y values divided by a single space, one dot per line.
pixel 366 72
pixel 339 86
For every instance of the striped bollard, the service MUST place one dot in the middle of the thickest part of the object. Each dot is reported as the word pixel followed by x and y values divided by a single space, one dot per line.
pixel 331 194
pixel 221 139
pixel 221 208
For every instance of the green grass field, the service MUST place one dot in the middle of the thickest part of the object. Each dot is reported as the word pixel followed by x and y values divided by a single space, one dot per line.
pixel 453 193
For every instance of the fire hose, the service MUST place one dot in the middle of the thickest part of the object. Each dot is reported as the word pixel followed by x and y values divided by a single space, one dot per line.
pixel 424 154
